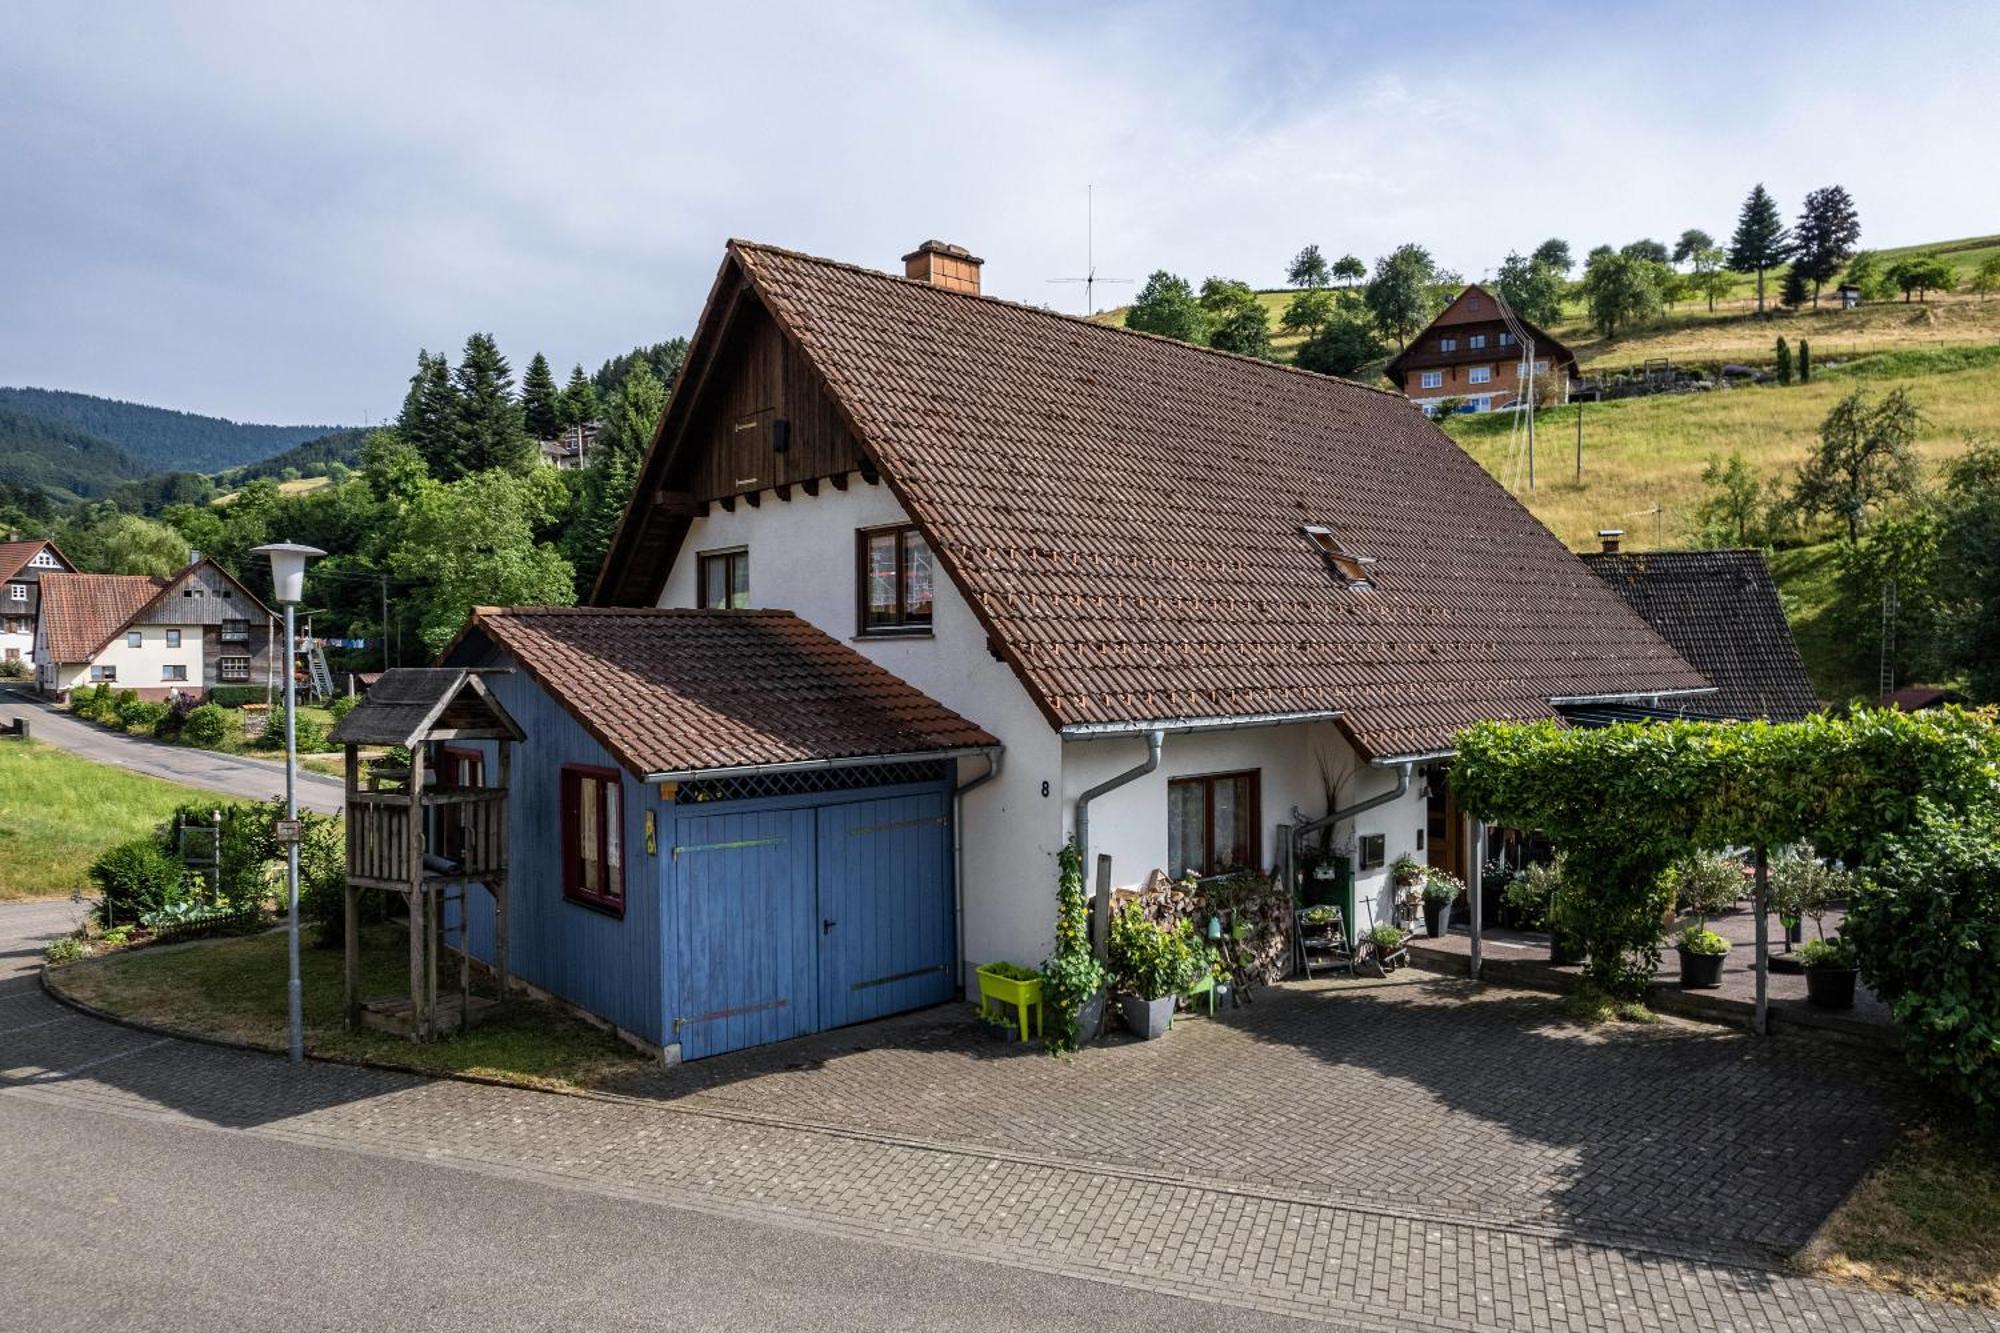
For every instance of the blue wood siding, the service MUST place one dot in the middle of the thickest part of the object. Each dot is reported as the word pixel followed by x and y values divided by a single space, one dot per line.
pixel 888 935
pixel 609 965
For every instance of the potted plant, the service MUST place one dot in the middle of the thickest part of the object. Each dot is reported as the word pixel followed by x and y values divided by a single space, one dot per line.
pixel 1702 953
pixel 1153 964
pixel 1387 941
pixel 1072 978
pixel 1702 885
pixel 1531 894
pixel 1011 986
pixel 1441 890
pixel 1830 972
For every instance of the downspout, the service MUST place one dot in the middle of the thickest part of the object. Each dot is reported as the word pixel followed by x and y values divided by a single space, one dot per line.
pixel 958 794
pixel 1101 911
pixel 1311 826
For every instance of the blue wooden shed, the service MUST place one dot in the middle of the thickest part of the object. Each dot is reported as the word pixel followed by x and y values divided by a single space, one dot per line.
pixel 726 828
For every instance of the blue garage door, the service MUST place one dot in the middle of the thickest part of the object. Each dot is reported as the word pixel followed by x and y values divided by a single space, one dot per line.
pixel 748 971
pixel 887 935
pixel 792 921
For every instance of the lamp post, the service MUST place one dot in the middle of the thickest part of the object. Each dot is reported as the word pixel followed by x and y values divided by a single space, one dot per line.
pixel 288 581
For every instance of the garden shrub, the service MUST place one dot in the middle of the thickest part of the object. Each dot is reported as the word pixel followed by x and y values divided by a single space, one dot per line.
pixel 323 879
pixel 1071 975
pixel 136 878
pixel 235 696
pixel 207 726
pixel 1150 960
pixel 90 701
pixel 1925 925
pixel 67 949
pixel 1805 887
pixel 144 715
pixel 13 669
pixel 123 704
pixel 344 705
pixel 309 733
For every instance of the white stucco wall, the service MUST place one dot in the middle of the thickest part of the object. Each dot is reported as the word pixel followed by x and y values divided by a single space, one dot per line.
pixel 22 644
pixel 140 668
pixel 1292 761
pixel 802 559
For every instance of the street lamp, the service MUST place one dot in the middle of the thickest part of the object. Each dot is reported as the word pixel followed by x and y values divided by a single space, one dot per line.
pixel 288 581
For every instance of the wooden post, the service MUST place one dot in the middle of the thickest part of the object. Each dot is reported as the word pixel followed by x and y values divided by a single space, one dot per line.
pixel 499 882
pixel 413 845
pixel 351 915
pixel 1475 893
pixel 1101 910
pixel 1762 1025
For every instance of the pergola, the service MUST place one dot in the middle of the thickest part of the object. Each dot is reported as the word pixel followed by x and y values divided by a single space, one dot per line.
pixel 414 833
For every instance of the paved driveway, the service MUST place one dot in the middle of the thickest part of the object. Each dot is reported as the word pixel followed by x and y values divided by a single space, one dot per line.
pixel 236 775
pixel 1409 1157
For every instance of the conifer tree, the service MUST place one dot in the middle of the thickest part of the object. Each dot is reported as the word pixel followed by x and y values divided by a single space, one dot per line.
pixel 1805 362
pixel 608 480
pixel 490 431
pixel 1824 239
pixel 579 399
pixel 1761 241
pixel 428 422
pixel 541 409
pixel 1784 362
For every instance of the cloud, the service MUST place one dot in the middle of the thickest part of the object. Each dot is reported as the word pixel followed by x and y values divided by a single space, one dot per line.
pixel 263 211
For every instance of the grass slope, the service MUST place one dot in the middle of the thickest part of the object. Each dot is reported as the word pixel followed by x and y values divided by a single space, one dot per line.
pixel 59 813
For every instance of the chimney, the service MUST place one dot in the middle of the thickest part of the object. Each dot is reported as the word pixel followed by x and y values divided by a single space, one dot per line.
pixel 943 265
pixel 1609 537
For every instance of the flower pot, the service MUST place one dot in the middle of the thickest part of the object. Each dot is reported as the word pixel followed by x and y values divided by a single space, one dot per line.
pixel 1148 1019
pixel 1831 987
pixel 1434 916
pixel 1090 1019
pixel 1701 971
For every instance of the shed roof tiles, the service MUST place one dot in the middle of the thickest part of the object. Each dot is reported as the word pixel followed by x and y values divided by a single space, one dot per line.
pixel 674 691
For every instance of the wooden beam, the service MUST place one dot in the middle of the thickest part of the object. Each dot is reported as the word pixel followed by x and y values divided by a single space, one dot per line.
pixel 810 485
pixel 839 480
pixel 684 503
pixel 869 474
pixel 784 491
pixel 728 503
pixel 755 498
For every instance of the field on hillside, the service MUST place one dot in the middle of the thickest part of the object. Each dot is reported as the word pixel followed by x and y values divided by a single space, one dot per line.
pixel 1646 453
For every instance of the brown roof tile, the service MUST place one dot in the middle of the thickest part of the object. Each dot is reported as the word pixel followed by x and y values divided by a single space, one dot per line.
pixel 1124 511
pixel 14 556
pixel 82 611
pixel 671 691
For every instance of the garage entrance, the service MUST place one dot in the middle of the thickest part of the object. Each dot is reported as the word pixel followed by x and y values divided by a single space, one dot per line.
pixel 803 914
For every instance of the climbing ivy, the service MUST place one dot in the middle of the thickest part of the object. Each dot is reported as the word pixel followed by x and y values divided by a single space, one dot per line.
pixel 1071 975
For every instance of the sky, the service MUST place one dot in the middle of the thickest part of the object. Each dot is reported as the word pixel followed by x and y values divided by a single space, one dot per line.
pixel 262 211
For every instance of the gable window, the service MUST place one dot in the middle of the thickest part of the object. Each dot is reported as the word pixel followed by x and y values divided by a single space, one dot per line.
pixel 235 631
pixel 17 592
pixel 45 561
pixel 896 581
pixel 1212 823
pixel 1479 375
pixel 173 671
pixel 1433 379
pixel 173 638
pixel 724 577
pixel 233 670
pixel 135 639
pixel 592 830
pixel 1506 340
pixel 1476 340
pixel 1447 344
pixel 101 673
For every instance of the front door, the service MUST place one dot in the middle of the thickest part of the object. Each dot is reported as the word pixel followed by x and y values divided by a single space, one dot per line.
pixel 1444 834
pixel 886 924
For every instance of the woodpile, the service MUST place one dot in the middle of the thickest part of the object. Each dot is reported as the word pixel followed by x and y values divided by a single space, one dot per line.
pixel 1253 906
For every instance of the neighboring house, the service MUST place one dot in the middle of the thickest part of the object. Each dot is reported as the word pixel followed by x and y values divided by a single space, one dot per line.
pixel 158 637
pixel 1920 698
pixel 1198 599
pixel 1473 353
pixel 571 450
pixel 1720 611
pixel 22 564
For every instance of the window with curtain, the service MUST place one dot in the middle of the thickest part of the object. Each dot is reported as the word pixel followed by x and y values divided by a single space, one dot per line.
pixel 1212 823
pixel 897 579
pixel 725 580
pixel 593 860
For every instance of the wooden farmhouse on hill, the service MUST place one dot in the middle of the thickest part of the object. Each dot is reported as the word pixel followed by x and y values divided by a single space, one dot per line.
pixel 917 585
pixel 1477 353
pixel 158 637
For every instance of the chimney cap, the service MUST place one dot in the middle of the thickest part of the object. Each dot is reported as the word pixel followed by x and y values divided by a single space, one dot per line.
pixel 1608 538
pixel 936 247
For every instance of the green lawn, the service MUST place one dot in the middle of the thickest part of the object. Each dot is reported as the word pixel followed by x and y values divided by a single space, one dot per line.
pixel 1926 1222
pixel 58 813
pixel 235 988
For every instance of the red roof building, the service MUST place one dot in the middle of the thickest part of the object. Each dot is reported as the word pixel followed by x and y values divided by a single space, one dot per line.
pixel 1478 356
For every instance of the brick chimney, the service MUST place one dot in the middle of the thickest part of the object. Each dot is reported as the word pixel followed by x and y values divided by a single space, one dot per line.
pixel 943 265
pixel 1609 538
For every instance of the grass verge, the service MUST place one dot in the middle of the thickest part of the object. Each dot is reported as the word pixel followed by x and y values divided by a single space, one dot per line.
pixel 235 989
pixel 59 813
pixel 1926 1221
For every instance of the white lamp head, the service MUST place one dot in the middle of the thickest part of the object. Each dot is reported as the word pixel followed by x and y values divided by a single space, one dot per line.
pixel 288 568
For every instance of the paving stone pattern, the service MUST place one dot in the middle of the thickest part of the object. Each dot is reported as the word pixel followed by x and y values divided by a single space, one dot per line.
pixel 1383 1267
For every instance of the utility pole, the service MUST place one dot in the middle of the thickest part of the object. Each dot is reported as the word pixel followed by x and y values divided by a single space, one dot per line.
pixel 385 621
pixel 1579 441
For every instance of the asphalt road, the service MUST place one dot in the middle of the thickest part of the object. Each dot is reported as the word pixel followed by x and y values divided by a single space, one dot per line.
pixel 251 779
pixel 118 1220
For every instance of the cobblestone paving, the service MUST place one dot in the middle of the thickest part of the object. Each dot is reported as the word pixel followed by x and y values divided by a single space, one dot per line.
pixel 1386 1267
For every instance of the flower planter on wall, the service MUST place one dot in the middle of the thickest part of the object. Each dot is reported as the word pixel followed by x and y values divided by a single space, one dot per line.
pixel 1701 971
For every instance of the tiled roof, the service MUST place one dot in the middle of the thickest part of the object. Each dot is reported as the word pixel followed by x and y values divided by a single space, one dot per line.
pixel 14 556
pixel 1720 610
pixel 1124 513
pixel 674 691
pixel 82 611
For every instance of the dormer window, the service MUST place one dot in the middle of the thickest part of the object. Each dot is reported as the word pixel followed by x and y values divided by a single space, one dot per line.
pixel 1472 303
pixel 1350 566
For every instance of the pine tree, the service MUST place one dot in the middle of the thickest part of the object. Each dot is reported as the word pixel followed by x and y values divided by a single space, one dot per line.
pixel 1805 362
pixel 579 399
pixel 608 481
pixel 1761 241
pixel 490 432
pixel 1797 289
pixel 541 407
pixel 428 422
pixel 1824 239
pixel 1784 363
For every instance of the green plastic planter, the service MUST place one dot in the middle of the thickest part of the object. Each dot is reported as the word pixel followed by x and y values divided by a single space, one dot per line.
pixel 1011 992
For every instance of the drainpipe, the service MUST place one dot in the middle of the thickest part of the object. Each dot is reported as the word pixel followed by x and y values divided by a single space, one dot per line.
pixel 958 794
pixel 1101 913
pixel 1301 831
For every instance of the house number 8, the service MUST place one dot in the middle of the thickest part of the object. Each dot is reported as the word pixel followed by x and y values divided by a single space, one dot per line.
pixel 1045 789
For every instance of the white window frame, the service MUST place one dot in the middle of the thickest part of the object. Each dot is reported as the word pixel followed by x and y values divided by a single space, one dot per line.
pixel 1479 375
pixel 168 670
pixel 135 638
pixel 1475 341
pixel 229 673
pixel 1431 379
pixel 17 592
pixel 45 561
pixel 1541 367
pixel 105 672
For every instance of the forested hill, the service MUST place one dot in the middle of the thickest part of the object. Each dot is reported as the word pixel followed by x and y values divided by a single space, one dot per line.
pixel 159 439
pixel 48 455
pixel 311 459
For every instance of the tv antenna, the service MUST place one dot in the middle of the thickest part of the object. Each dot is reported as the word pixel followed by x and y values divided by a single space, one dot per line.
pixel 1090 278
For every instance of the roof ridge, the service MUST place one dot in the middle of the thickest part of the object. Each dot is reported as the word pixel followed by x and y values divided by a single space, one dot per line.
pixel 737 243
pixel 758 611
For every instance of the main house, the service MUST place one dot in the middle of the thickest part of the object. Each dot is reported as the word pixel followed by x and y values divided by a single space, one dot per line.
pixel 895 541
pixel 157 637
pixel 1478 354
pixel 22 564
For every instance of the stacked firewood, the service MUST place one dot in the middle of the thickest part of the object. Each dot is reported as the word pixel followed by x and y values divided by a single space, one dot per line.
pixel 1253 907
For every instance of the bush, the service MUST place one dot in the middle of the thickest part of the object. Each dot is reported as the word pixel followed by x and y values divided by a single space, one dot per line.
pixel 1071 975
pixel 114 713
pixel 344 705
pixel 207 726
pixel 1834 953
pixel 1152 961
pixel 235 696
pixel 90 701
pixel 68 949
pixel 1925 926
pixel 323 879
pixel 1701 940
pixel 137 878
pixel 1704 884
pixel 1531 892
pixel 13 669
pixel 309 733
pixel 145 715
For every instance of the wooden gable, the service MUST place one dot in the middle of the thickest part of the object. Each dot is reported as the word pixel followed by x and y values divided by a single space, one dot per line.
pixel 203 594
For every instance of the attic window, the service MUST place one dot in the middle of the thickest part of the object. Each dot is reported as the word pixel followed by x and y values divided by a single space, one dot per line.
pixel 1350 566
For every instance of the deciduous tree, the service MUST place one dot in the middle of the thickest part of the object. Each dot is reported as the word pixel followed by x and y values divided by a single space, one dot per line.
pixel 1348 270
pixel 1692 242
pixel 1733 511
pixel 1401 296
pixel 1923 274
pixel 1341 347
pixel 1309 269
pixel 1533 287
pixel 1622 290
pixel 1555 253
pixel 1309 311
pixel 1166 305
pixel 1864 459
